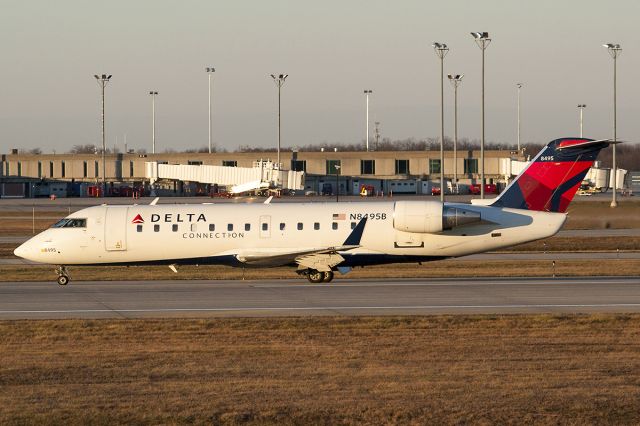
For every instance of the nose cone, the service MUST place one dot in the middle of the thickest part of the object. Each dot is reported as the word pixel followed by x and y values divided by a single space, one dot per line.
pixel 22 251
pixel 27 250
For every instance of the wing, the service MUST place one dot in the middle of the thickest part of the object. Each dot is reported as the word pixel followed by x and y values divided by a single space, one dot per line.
pixel 319 258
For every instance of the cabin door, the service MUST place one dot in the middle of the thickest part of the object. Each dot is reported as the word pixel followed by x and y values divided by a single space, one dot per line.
pixel 115 229
pixel 265 226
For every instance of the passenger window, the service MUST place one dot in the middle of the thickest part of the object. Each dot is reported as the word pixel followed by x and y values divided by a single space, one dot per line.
pixel 316 226
pixel 174 227
pixel 247 227
pixel 212 227
pixel 353 225
pixel 139 228
pixel 334 225
pixel 265 226
pixel 282 226
pixel 156 228
pixel 194 227
pixel 230 227
pixel 299 226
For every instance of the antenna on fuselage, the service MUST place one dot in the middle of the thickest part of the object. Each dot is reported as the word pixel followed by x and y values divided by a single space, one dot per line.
pixel 155 201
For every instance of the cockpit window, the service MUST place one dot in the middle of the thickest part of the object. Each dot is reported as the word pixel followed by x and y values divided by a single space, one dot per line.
pixel 71 223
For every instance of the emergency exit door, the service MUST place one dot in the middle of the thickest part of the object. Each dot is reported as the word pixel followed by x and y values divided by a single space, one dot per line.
pixel 115 228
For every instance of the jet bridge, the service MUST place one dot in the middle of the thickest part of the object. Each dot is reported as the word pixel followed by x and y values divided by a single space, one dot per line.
pixel 597 177
pixel 263 174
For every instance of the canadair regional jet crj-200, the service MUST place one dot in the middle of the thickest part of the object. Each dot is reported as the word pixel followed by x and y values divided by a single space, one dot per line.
pixel 320 238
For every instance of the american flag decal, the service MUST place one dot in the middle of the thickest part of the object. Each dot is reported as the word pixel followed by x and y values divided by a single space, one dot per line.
pixel 339 216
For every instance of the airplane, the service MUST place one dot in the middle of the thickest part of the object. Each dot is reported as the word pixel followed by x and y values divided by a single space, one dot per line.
pixel 321 238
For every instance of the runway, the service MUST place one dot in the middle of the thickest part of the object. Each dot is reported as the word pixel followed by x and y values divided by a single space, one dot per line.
pixel 149 299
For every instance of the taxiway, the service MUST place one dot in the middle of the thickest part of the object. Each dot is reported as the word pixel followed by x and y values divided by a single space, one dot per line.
pixel 132 299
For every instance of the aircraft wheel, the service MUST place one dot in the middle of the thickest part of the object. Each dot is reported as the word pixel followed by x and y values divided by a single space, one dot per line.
pixel 327 276
pixel 315 277
pixel 63 280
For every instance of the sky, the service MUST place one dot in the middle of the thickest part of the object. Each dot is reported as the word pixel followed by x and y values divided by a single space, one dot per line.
pixel 332 50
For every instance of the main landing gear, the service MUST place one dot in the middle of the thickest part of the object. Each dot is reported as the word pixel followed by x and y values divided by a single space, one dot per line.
pixel 316 277
pixel 63 275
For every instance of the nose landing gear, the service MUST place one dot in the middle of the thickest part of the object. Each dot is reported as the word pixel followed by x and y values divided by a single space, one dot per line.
pixel 63 275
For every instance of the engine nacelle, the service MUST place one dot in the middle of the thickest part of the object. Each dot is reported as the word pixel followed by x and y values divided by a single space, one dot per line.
pixel 430 217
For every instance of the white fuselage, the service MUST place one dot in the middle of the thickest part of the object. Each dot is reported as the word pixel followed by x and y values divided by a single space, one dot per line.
pixel 227 233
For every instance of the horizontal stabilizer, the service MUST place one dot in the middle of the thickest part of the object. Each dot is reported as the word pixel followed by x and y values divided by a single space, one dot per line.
pixel 583 143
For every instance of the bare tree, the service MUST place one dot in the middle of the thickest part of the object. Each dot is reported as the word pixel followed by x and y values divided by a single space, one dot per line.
pixel 85 149
pixel 627 155
pixel 33 151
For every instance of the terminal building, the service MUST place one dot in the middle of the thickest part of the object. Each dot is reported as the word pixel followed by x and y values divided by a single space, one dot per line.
pixel 32 175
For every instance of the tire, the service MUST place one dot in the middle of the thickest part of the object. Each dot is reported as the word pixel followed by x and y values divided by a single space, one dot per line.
pixel 327 277
pixel 315 277
pixel 63 280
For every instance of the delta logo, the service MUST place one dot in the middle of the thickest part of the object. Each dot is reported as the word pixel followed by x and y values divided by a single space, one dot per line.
pixel 137 219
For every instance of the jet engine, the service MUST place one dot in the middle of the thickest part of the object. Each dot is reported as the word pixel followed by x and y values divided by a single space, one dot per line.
pixel 430 217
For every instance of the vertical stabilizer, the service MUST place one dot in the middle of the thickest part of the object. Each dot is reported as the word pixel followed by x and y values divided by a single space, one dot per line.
pixel 553 177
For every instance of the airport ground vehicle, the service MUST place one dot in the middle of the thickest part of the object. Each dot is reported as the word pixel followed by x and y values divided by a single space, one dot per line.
pixel 321 238
pixel 489 188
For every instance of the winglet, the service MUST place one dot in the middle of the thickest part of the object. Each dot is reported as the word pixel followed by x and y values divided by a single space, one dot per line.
pixel 356 235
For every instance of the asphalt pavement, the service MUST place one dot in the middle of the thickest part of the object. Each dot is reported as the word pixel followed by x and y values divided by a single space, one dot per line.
pixel 155 299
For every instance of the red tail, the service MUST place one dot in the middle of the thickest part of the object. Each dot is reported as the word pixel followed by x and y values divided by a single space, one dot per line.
pixel 552 178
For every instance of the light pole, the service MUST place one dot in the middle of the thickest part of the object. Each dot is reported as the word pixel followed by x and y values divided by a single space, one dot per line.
pixel 102 80
pixel 519 86
pixel 482 40
pixel 279 80
pixel 455 81
pixel 153 121
pixel 210 71
pixel 366 94
pixel 614 50
pixel 441 50
pixel 337 181
pixel 581 107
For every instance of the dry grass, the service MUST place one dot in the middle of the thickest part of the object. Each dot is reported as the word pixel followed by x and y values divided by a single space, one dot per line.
pixel 599 215
pixel 23 214
pixel 580 244
pixel 6 250
pixel 455 268
pixel 20 227
pixel 399 370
